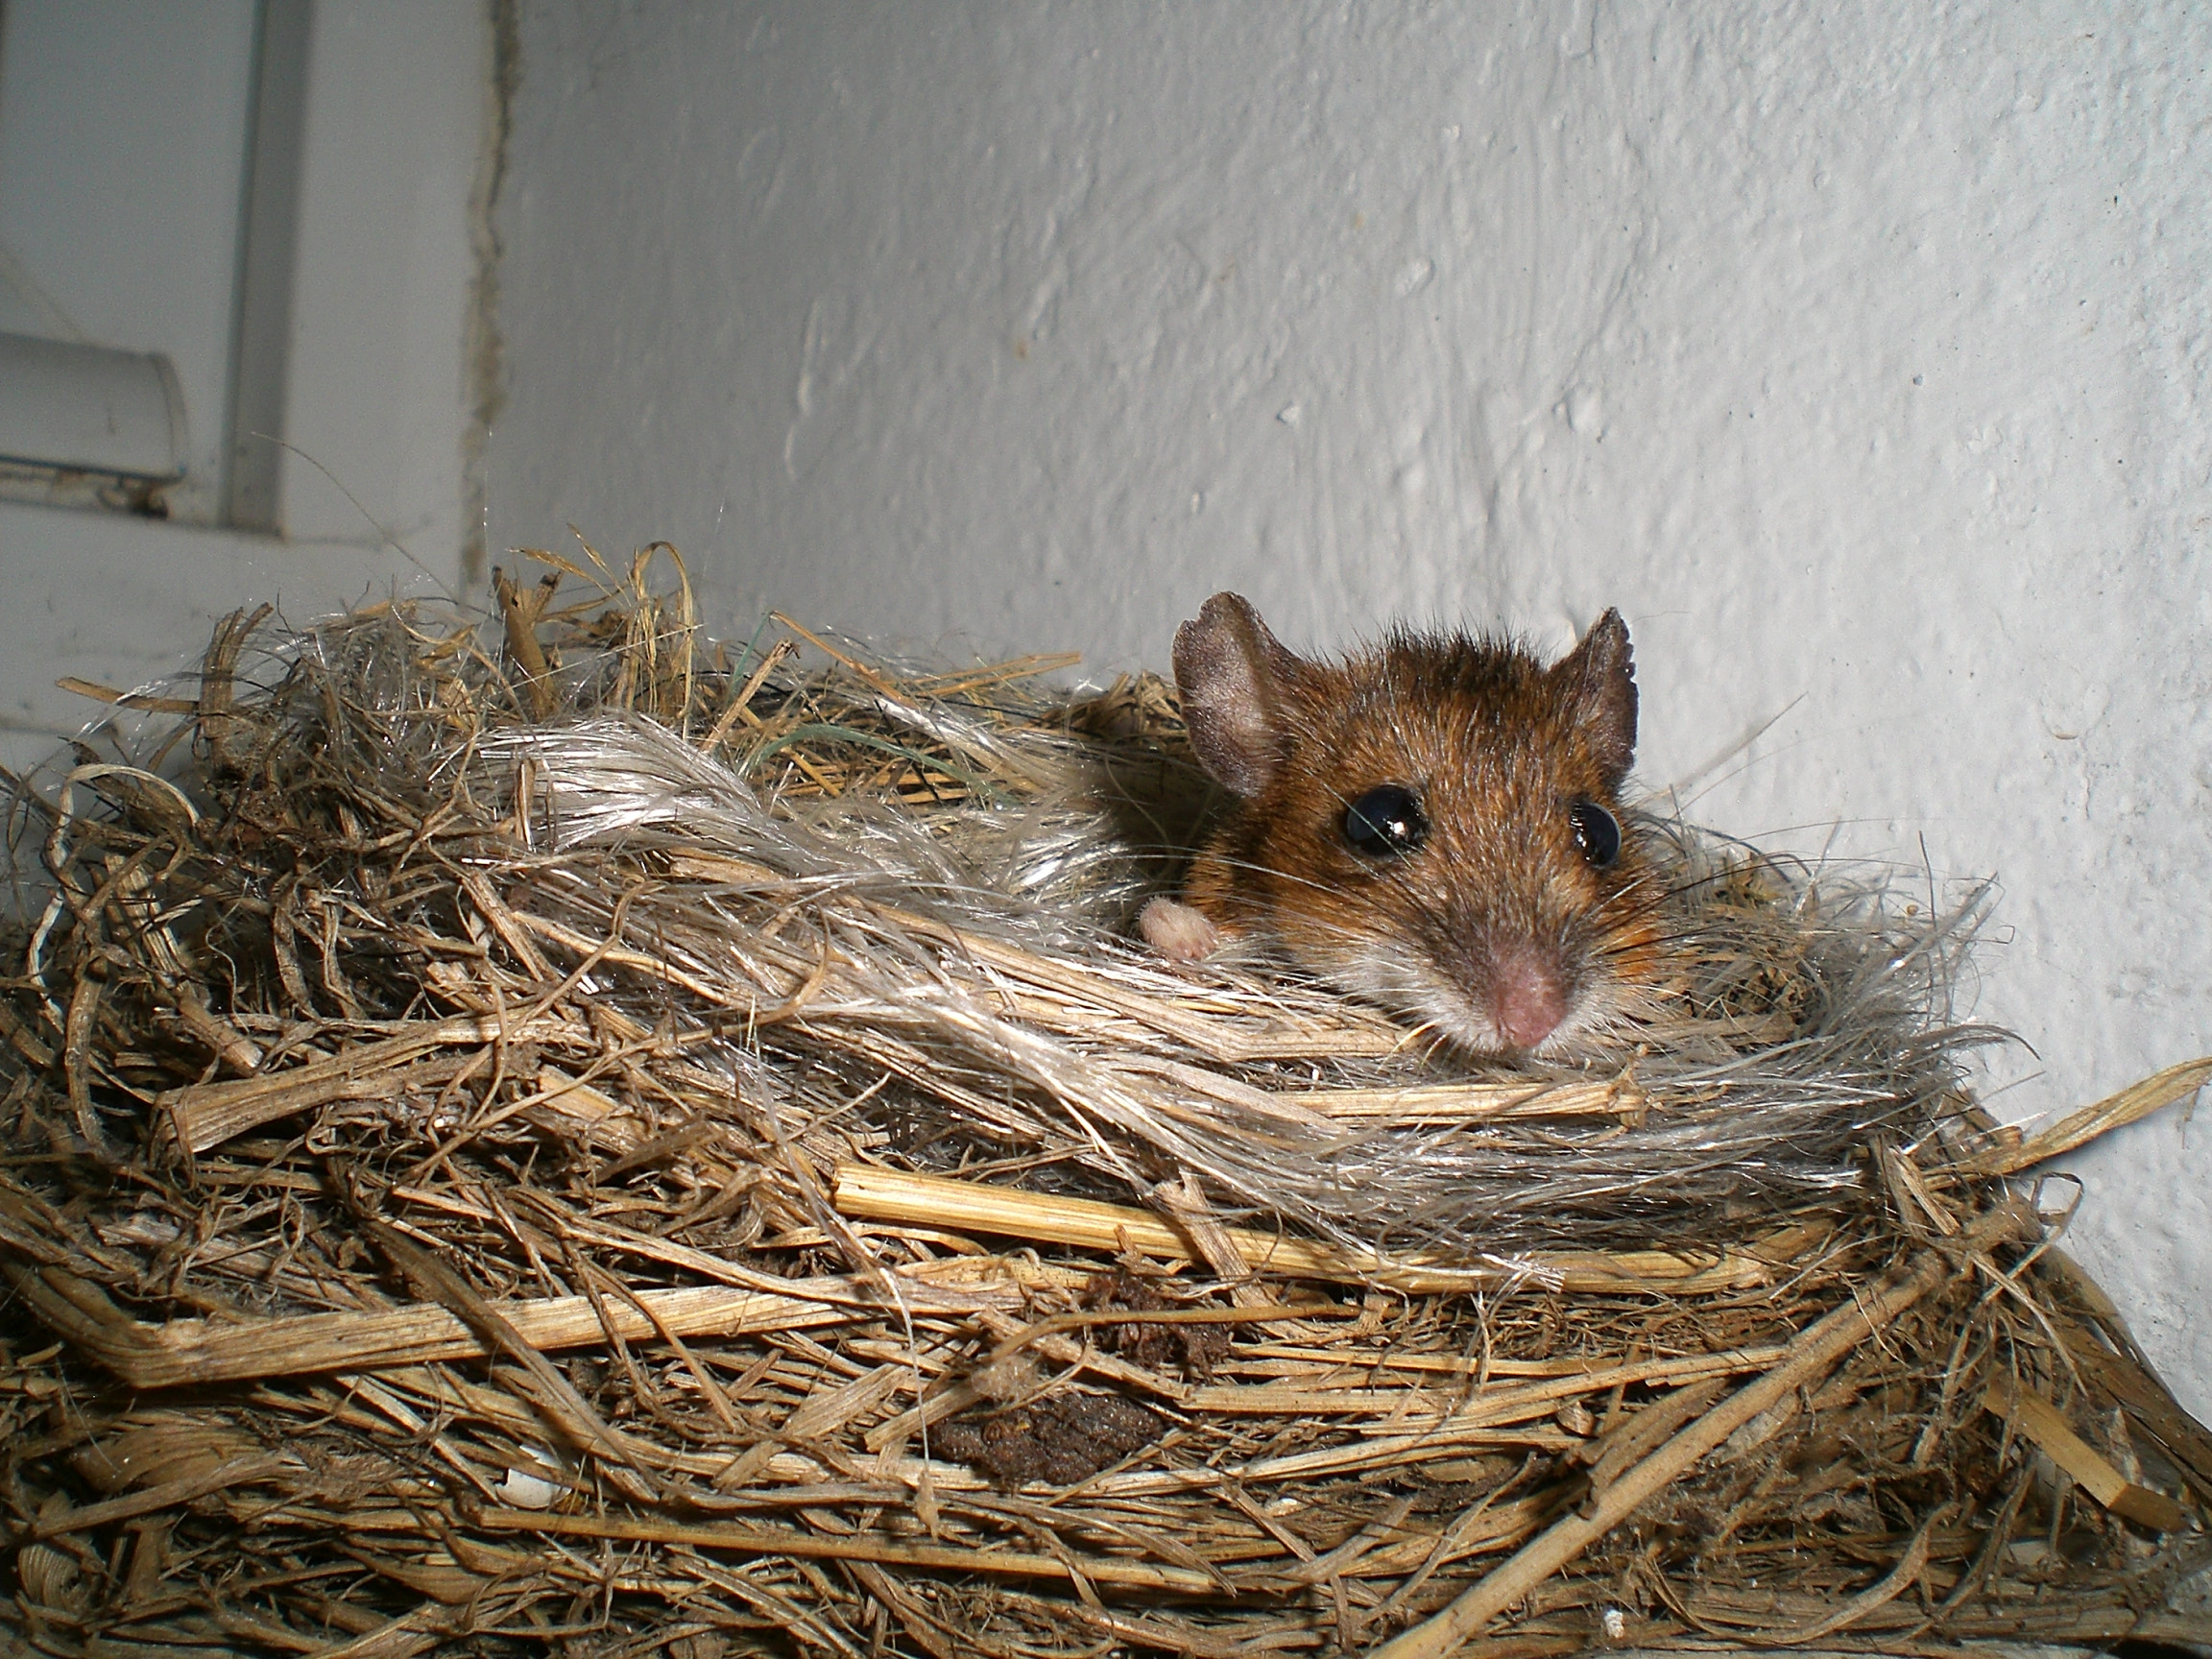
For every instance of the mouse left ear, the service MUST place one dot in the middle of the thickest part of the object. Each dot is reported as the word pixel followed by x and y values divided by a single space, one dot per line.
pixel 1234 677
pixel 1598 679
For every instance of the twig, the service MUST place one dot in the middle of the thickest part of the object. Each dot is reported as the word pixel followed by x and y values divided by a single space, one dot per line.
pixel 877 1193
pixel 1810 1355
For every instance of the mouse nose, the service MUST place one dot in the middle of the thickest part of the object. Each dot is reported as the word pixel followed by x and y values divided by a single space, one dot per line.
pixel 1527 999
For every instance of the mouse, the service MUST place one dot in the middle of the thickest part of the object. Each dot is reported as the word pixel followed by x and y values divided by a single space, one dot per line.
pixel 1433 824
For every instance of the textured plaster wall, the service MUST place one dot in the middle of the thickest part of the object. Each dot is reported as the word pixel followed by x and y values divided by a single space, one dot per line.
pixel 1858 353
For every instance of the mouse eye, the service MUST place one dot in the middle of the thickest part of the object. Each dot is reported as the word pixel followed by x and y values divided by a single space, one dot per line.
pixel 1597 832
pixel 1385 822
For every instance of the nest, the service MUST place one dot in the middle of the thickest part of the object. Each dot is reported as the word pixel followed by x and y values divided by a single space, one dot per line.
pixel 562 1133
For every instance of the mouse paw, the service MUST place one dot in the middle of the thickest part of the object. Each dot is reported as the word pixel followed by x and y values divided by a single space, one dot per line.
pixel 1177 932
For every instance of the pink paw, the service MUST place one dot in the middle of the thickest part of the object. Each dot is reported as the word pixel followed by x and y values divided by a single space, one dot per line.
pixel 1177 932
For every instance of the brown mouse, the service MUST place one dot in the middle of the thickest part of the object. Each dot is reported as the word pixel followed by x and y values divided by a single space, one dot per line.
pixel 1433 825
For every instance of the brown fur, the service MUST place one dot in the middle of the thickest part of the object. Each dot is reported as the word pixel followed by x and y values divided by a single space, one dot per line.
pixel 1499 901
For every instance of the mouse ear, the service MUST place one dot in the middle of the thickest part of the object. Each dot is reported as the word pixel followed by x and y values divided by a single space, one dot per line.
pixel 1598 681
pixel 1234 676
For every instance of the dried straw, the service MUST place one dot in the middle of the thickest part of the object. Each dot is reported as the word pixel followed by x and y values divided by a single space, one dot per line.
pixel 567 1133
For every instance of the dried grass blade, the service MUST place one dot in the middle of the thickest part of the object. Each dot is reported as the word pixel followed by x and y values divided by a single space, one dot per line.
pixel 2046 1427
pixel 108 694
pixel 1892 1585
pixel 870 1192
pixel 402 1638
pixel 626 1462
pixel 244 1471
pixel 2149 1404
pixel 1810 1355
pixel 198 1351
pixel 1621 1449
pixel 520 612
pixel 1620 1097
pixel 741 705
pixel 206 1115
pixel 2077 1129
pixel 808 1546
pixel 228 735
pixel 1161 1631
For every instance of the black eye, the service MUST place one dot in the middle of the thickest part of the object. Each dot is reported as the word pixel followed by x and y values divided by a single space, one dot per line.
pixel 1385 822
pixel 1595 832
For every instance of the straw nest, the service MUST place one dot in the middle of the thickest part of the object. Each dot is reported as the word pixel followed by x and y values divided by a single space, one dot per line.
pixel 559 1134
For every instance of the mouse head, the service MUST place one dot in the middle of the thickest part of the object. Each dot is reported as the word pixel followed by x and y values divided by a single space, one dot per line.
pixel 1433 824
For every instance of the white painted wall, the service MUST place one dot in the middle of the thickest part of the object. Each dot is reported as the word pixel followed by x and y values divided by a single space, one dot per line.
pixel 123 129
pixel 377 391
pixel 378 398
pixel 1858 353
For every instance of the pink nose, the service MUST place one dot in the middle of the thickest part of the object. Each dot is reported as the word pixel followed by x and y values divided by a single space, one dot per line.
pixel 1526 998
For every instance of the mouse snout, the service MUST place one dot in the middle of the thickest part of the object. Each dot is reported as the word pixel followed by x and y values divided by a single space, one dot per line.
pixel 1527 999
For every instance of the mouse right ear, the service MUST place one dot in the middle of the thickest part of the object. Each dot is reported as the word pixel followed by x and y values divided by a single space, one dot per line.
pixel 1233 675
pixel 1599 677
